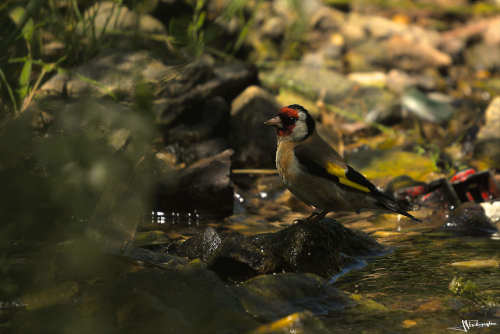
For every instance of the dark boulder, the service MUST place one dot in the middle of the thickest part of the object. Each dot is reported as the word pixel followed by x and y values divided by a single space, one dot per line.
pixel 254 143
pixel 322 248
pixel 194 84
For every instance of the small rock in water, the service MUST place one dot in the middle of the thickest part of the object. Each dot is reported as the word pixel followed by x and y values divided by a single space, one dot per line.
pixel 477 264
pixel 469 219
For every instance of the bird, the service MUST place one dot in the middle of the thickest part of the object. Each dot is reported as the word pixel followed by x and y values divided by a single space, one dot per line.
pixel 315 173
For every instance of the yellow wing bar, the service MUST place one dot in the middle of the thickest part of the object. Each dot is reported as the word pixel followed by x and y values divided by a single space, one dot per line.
pixel 340 172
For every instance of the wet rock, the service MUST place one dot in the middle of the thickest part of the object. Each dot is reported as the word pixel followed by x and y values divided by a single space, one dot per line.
pixel 203 245
pixel 270 297
pixel 204 186
pixel 115 72
pixel 254 143
pixel 322 248
pixel 426 108
pixel 107 17
pixel 469 219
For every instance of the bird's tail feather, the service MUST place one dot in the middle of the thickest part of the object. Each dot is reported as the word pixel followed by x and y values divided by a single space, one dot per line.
pixel 389 203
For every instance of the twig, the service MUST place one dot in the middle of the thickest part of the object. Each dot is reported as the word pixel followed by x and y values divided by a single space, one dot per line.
pixel 255 171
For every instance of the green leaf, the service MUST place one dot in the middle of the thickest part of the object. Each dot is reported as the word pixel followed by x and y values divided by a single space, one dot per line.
pixel 24 79
pixel 199 5
pixel 201 20
pixel 17 14
pixel 28 30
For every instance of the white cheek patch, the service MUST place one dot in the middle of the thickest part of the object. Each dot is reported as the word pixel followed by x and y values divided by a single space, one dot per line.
pixel 302 116
pixel 300 130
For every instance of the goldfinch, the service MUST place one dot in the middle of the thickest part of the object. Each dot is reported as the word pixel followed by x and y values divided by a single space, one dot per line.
pixel 315 173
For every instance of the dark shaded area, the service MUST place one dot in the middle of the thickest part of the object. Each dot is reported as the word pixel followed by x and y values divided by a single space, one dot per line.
pixel 204 187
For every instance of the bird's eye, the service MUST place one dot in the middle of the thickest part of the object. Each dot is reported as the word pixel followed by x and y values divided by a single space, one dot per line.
pixel 288 120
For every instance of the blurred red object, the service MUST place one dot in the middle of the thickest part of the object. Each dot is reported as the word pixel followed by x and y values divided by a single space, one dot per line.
pixel 465 186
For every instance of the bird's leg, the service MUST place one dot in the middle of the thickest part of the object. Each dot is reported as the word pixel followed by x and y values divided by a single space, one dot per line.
pixel 316 216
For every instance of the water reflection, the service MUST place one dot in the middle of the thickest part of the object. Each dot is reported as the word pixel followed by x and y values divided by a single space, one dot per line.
pixel 173 218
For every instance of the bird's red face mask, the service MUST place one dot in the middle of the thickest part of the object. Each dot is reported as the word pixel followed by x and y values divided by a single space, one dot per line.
pixel 284 122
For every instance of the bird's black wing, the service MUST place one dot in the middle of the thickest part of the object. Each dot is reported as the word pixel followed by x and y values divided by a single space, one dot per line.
pixel 321 160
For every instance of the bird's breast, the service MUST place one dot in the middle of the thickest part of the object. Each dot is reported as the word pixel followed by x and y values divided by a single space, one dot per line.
pixel 286 163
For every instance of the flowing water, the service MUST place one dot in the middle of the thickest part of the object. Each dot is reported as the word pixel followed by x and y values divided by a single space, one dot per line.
pixel 413 283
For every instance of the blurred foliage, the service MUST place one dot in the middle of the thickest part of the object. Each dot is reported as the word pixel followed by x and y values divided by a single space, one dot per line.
pixel 76 172
pixel 295 38
pixel 189 31
pixel 58 178
pixel 469 290
pixel 29 26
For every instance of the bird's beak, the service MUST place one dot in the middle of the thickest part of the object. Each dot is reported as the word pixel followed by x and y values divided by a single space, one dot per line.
pixel 275 121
